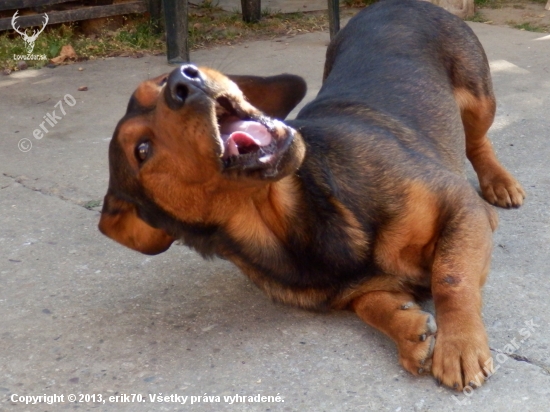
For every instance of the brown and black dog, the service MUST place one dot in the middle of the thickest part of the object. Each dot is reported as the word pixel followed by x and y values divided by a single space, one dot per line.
pixel 359 203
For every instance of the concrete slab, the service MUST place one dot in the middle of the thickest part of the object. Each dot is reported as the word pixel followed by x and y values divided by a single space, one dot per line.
pixel 81 315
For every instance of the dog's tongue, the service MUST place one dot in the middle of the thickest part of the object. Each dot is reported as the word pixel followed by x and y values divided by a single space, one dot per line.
pixel 242 137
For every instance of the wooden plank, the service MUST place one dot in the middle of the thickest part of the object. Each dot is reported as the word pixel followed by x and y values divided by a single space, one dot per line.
pixel 24 4
pixel 83 13
pixel 155 10
pixel 177 39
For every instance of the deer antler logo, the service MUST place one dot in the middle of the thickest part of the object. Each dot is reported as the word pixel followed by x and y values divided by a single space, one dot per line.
pixel 29 40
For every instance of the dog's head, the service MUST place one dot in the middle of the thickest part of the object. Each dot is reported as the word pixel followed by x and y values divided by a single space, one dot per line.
pixel 190 134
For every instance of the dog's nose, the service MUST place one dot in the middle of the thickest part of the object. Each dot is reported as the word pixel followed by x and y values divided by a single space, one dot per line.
pixel 182 83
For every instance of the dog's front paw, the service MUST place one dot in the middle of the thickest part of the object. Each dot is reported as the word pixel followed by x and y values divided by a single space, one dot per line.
pixel 461 357
pixel 416 345
pixel 503 190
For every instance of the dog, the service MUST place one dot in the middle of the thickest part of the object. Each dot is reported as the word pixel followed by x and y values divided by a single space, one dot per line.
pixel 359 203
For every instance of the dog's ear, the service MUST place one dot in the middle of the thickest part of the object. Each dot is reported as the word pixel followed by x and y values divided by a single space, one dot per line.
pixel 275 96
pixel 120 221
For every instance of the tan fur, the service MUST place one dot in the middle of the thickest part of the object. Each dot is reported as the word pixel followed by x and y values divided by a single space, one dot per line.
pixel 460 268
pixel 124 226
pixel 354 231
pixel 396 315
pixel 262 219
pixel 147 92
pixel 499 187
pixel 406 247
pixel 307 298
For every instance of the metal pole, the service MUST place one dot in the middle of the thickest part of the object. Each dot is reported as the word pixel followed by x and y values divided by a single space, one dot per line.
pixel 333 17
pixel 175 16
pixel 252 10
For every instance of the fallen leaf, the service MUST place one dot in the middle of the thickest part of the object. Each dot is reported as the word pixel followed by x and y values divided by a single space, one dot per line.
pixel 67 53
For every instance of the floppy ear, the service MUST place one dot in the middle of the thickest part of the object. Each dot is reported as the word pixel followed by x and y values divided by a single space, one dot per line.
pixel 275 96
pixel 120 221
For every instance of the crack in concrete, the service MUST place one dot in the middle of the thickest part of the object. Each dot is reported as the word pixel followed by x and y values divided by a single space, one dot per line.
pixel 520 358
pixel 45 192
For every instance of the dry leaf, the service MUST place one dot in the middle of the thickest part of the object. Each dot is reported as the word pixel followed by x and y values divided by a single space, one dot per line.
pixel 67 53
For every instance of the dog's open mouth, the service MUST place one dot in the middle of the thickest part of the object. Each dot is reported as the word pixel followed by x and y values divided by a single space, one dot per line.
pixel 243 138
pixel 250 142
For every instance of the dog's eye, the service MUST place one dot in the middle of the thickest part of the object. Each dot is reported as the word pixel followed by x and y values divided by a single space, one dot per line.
pixel 142 151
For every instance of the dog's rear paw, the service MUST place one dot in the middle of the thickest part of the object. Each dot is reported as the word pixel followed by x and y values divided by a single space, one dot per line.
pixel 461 359
pixel 503 190
pixel 417 343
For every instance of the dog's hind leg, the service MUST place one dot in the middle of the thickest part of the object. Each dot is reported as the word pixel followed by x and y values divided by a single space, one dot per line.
pixel 399 317
pixel 498 186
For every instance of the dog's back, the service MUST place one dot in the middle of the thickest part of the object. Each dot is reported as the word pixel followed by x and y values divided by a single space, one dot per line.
pixel 405 60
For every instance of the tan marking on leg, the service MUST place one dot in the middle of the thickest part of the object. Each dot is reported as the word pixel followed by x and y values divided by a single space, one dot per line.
pixel 396 315
pixel 498 186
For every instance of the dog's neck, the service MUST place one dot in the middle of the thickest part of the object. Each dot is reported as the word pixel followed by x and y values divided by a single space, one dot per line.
pixel 262 217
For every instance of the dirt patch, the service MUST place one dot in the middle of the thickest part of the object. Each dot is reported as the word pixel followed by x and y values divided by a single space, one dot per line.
pixel 521 14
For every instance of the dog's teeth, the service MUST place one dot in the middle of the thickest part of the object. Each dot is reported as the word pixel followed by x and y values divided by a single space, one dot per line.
pixel 265 159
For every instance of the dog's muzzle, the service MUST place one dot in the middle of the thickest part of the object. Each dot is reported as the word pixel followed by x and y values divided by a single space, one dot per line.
pixel 182 84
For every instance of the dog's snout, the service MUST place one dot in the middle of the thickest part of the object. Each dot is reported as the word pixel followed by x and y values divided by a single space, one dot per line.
pixel 182 83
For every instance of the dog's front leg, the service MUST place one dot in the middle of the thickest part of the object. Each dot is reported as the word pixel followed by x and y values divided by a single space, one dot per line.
pixel 398 316
pixel 461 264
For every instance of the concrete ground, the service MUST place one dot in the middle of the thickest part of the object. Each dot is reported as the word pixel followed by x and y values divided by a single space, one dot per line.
pixel 82 315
